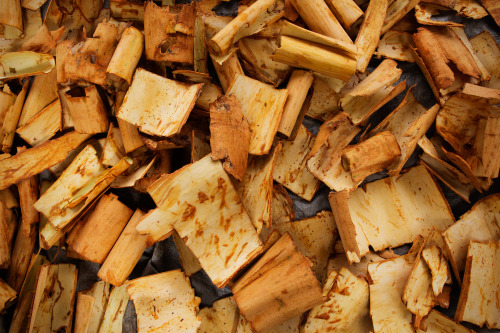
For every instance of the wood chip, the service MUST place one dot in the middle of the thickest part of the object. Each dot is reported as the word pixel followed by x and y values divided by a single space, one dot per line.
pixel 169 34
pixel 324 160
pixel 370 156
pixel 487 50
pixel 477 303
pixel 373 92
pixel 408 122
pixel 436 322
pixel 339 261
pixel 93 237
pixel 114 149
pixel 388 279
pixel 295 31
pixel 282 208
pixel 124 61
pixel 263 114
pixel 43 125
pixel 115 310
pixel 43 41
pixel 493 8
pixel 319 18
pixel 321 59
pixel 487 141
pixel 30 162
pixel 314 238
pixel 326 94
pixel 480 223
pixel 127 10
pixel 424 13
pixel 346 308
pixel 100 292
pixel 440 45
pixel 222 317
pixel 165 301
pixel 211 220
pixel 293 113
pixel 418 294
pixel 438 265
pixel 465 131
pixel 227 69
pixel 470 8
pixel 396 11
pixel 169 103
pixel 256 188
pixel 84 105
pixel 11 14
pixel 434 159
pixel 11 120
pixel 278 287
pixel 248 22
pixel 89 59
pixel 43 91
pixel 230 135
pixel 20 259
pixel 24 63
pixel 347 11
pixel 83 312
pixel 125 254
pixel 395 45
pixel 54 202
pixel 362 225
pixel 257 53
pixel 290 169
pixel 52 308
pixel 370 31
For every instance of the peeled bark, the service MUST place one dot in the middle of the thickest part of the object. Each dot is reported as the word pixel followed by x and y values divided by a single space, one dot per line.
pixel 230 135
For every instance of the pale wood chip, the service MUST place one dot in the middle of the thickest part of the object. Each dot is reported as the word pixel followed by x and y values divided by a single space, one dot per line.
pixel 165 302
